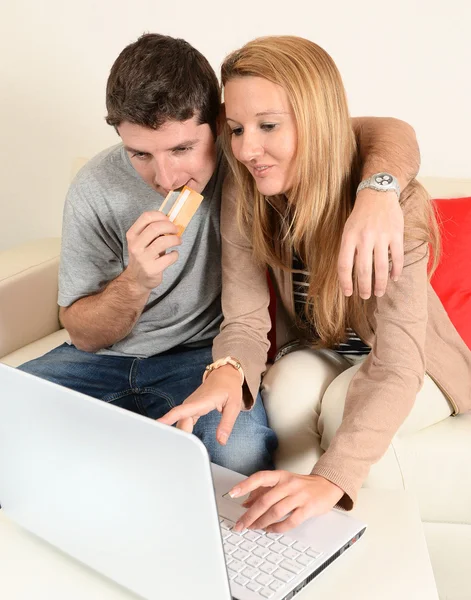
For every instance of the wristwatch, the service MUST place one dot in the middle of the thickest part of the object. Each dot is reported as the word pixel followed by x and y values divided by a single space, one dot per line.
pixel 381 182
pixel 221 363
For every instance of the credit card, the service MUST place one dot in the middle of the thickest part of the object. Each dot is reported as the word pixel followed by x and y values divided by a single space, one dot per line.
pixel 180 206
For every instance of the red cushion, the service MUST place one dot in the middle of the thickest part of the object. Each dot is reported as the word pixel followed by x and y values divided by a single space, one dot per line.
pixel 452 279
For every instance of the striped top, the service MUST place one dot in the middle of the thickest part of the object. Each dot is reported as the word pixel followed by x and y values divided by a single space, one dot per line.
pixel 353 345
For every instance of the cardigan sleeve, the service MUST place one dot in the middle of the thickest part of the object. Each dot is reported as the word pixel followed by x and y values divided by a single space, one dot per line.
pixel 245 299
pixel 383 391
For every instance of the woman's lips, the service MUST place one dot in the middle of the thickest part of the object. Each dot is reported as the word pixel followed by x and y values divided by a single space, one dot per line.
pixel 262 170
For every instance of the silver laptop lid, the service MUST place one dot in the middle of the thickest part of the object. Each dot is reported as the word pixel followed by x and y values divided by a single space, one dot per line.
pixel 117 491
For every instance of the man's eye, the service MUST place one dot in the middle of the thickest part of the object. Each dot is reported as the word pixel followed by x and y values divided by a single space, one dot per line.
pixel 237 131
pixel 140 155
pixel 182 149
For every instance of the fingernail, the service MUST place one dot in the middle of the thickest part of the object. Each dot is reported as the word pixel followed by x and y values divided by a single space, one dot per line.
pixel 379 294
pixel 234 493
pixel 348 292
pixel 223 438
pixel 238 526
pixel 396 278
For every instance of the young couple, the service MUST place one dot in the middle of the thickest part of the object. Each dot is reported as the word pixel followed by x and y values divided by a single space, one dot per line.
pixel 143 307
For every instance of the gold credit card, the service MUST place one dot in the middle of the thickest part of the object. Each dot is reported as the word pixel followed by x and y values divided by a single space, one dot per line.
pixel 180 206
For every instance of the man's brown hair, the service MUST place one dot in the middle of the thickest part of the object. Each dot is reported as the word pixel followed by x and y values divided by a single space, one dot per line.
pixel 159 78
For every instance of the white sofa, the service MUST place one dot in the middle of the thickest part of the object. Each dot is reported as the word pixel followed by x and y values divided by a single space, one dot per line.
pixel 435 463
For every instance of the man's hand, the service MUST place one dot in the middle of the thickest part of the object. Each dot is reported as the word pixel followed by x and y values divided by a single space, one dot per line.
pixel 148 240
pixel 222 391
pixel 277 494
pixel 374 228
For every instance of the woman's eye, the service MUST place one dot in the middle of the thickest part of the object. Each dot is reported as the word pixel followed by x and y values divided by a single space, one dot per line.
pixel 268 126
pixel 237 131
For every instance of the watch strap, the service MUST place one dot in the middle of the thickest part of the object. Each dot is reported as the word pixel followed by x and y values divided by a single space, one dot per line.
pixel 228 360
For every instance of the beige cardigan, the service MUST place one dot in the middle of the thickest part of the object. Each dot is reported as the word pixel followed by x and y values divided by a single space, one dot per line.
pixel 412 335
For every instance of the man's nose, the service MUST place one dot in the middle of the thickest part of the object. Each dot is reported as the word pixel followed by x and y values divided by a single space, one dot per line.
pixel 165 177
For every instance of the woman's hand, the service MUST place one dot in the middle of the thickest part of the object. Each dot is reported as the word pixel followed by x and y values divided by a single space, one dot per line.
pixel 222 391
pixel 299 496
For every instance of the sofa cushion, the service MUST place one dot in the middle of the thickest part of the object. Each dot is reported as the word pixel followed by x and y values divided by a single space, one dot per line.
pixel 434 465
pixel 452 279
pixel 28 293
pixel 35 349
pixel 449 546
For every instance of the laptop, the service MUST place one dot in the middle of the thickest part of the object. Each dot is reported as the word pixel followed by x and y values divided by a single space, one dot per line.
pixel 140 502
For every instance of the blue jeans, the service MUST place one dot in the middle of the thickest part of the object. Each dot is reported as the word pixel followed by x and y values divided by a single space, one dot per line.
pixel 152 386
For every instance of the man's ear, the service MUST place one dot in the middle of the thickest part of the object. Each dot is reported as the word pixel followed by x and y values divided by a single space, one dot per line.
pixel 221 120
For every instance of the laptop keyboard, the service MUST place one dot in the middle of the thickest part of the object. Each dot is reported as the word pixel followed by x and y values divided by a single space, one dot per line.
pixel 264 562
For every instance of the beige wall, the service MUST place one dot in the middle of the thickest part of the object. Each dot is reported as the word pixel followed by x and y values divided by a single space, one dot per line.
pixel 407 58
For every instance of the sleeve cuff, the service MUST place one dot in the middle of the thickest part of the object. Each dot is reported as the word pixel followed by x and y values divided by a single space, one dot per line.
pixel 349 498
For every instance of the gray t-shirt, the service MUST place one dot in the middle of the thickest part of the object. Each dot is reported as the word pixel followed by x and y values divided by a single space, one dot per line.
pixel 104 200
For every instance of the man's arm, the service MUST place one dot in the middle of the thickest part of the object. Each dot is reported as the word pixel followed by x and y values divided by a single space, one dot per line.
pixel 100 320
pixel 389 145
pixel 373 233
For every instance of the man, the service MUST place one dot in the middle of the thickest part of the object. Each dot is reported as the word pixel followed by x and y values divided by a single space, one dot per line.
pixel 141 314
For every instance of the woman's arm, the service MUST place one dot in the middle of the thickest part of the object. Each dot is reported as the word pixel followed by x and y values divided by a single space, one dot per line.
pixel 245 299
pixel 243 334
pixel 384 389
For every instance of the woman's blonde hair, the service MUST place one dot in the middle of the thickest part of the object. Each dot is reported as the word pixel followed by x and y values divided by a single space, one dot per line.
pixel 326 171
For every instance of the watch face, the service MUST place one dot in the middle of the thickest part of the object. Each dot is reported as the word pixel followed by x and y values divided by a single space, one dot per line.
pixel 383 179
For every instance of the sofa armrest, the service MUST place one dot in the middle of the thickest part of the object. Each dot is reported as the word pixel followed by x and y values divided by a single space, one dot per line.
pixel 28 293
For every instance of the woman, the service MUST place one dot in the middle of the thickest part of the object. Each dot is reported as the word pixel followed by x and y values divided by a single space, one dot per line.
pixel 292 152
pixel 295 167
